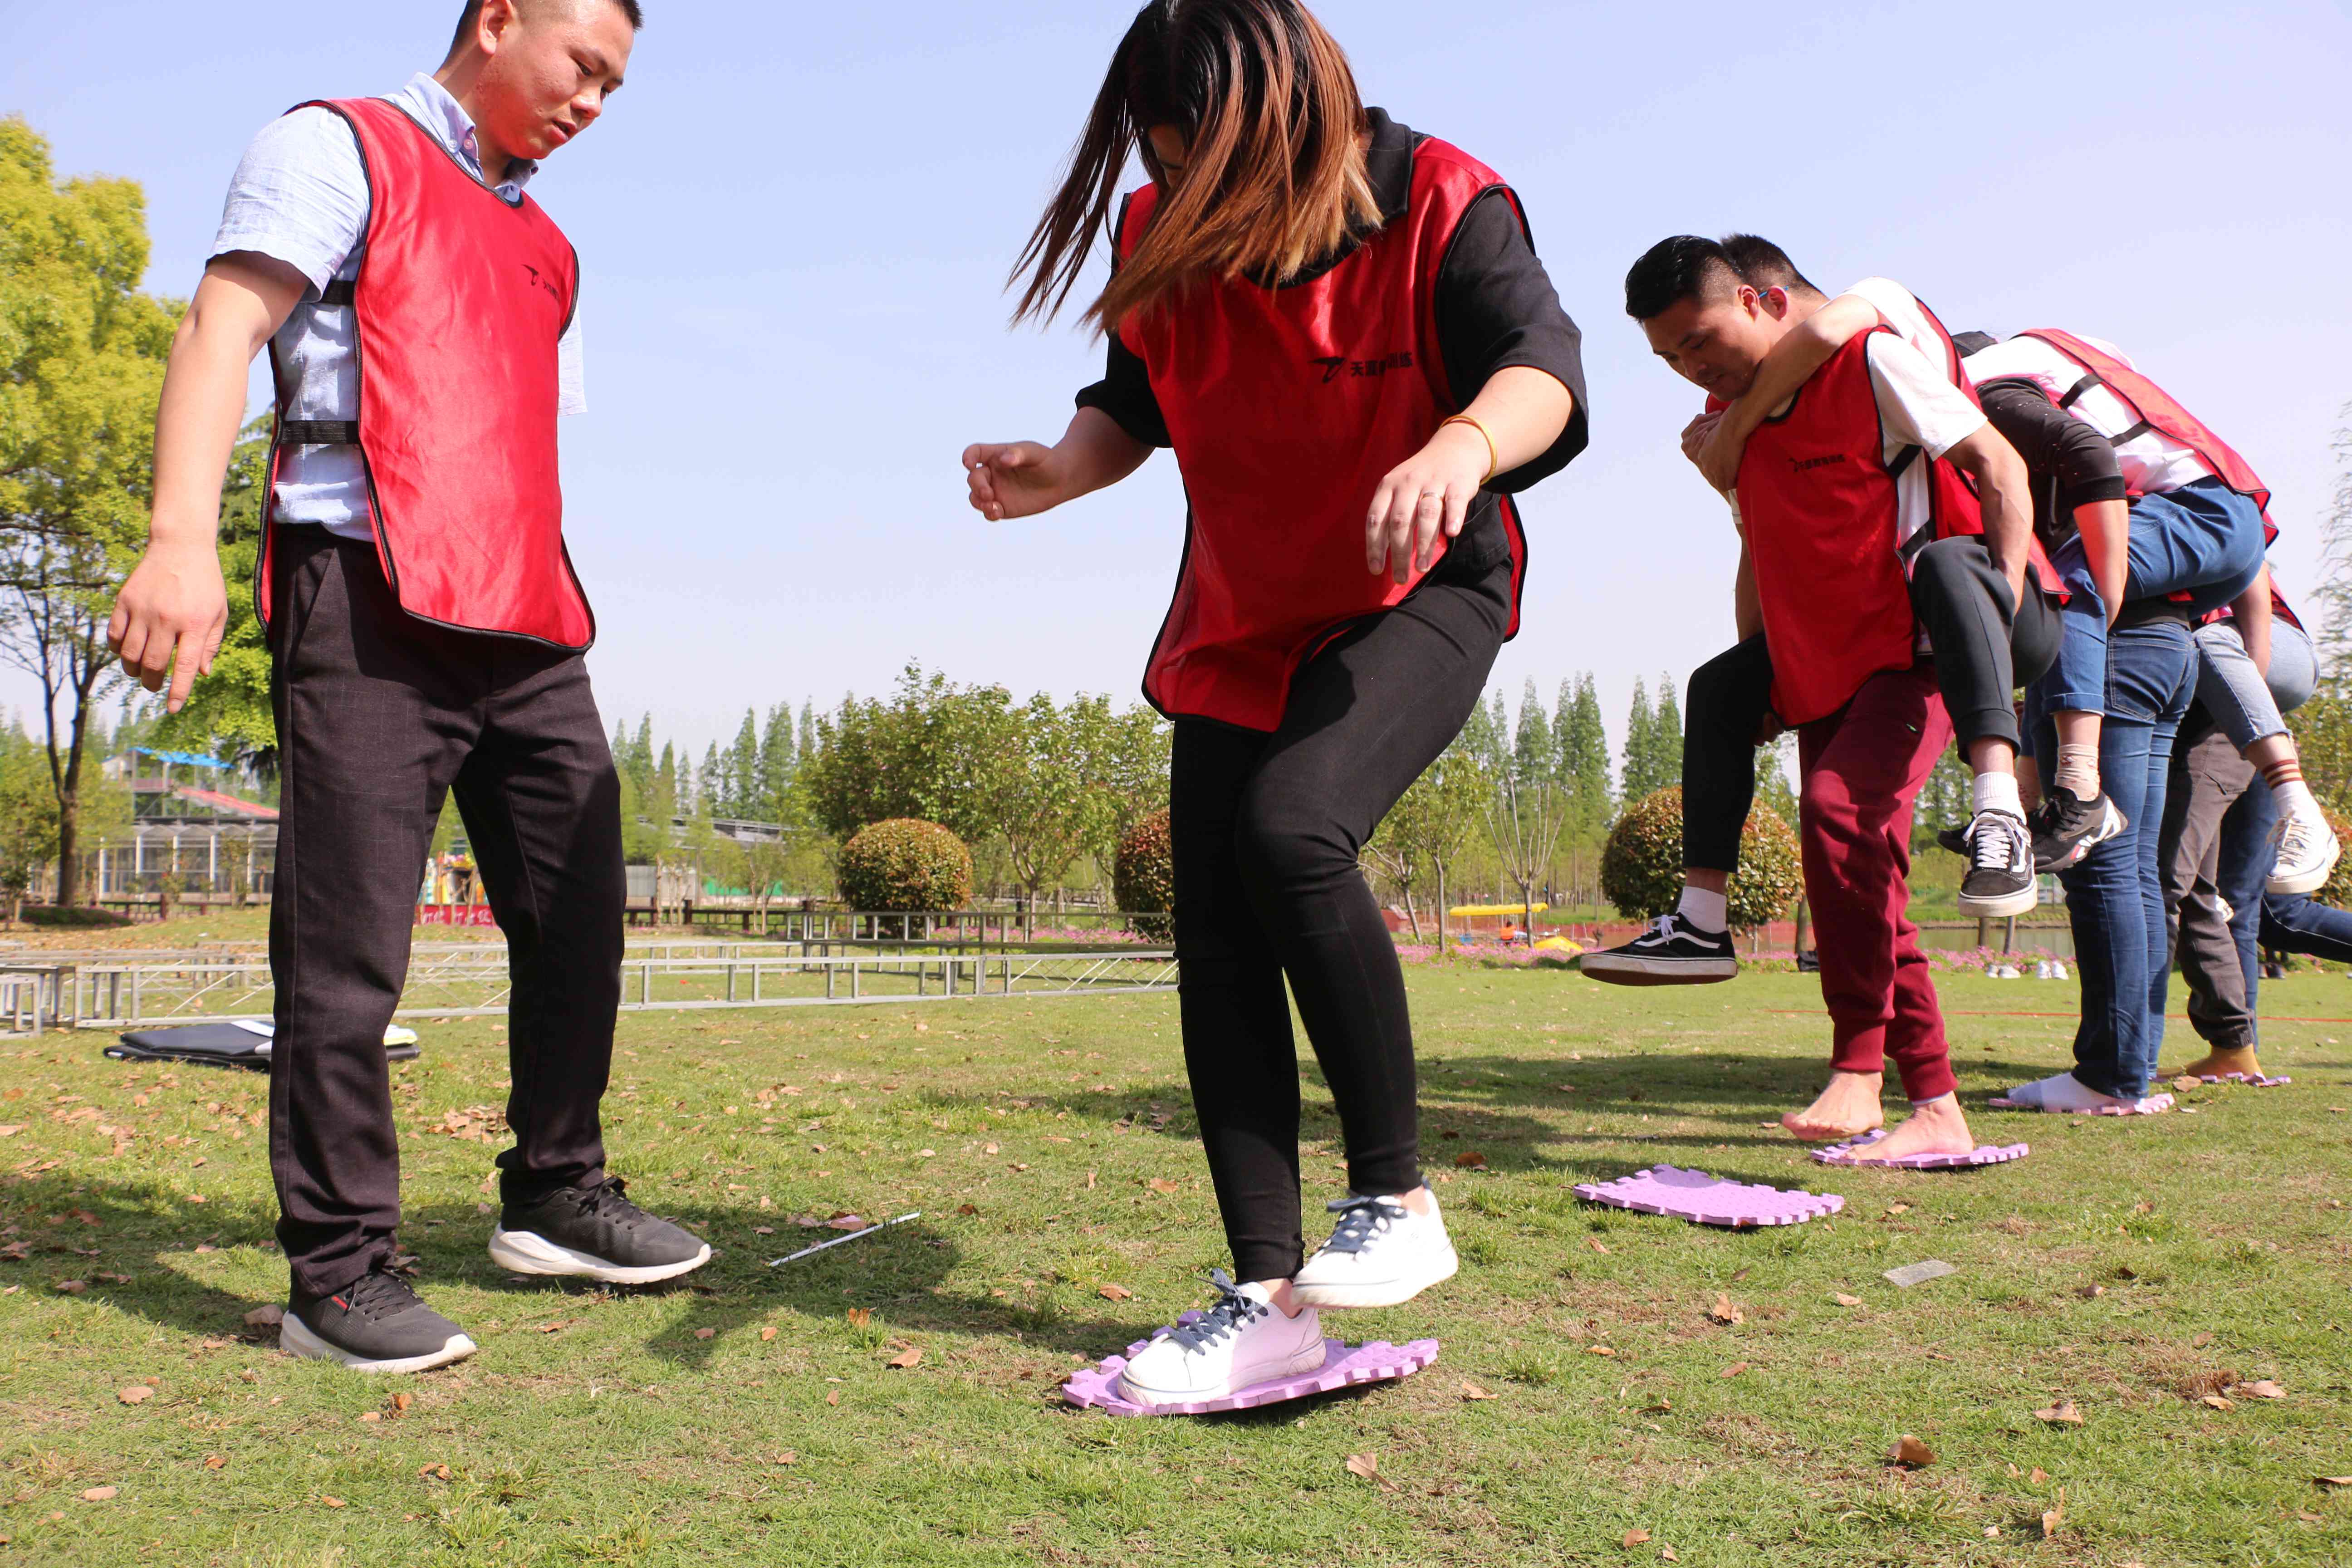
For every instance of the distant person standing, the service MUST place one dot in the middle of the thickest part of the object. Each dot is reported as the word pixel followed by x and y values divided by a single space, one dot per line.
pixel 426 632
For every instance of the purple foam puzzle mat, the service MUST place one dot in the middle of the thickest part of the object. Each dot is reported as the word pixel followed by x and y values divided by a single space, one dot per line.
pixel 2155 1104
pixel 1855 1152
pixel 2256 1080
pixel 1703 1199
pixel 1343 1367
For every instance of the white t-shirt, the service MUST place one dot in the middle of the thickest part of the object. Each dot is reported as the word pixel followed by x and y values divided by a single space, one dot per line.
pixel 300 197
pixel 2151 462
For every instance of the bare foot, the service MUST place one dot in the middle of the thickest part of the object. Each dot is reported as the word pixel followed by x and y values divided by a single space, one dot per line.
pixel 1934 1127
pixel 1847 1109
pixel 2220 1063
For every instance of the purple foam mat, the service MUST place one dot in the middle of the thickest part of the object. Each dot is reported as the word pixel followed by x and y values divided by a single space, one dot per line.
pixel 1703 1199
pixel 1853 1152
pixel 2153 1105
pixel 1343 1366
pixel 2257 1080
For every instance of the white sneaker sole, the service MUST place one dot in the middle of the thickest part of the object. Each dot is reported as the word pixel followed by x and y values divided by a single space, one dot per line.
pixel 1374 1292
pixel 2018 903
pixel 1308 1359
pixel 1614 968
pixel 528 1252
pixel 2310 880
pixel 295 1337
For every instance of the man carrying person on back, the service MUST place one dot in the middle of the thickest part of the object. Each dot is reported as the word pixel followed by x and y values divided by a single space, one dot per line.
pixel 427 634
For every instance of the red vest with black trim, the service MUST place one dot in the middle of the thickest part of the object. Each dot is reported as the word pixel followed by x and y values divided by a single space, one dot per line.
pixel 1827 538
pixel 460 303
pixel 2153 409
pixel 1286 406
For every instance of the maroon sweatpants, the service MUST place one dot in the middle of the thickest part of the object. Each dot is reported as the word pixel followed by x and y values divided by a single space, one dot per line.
pixel 1860 769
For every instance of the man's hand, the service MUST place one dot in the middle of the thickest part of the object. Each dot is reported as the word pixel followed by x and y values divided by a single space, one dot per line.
pixel 169 620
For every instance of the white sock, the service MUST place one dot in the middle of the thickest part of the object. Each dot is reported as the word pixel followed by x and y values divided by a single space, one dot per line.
pixel 1997 792
pixel 1708 911
pixel 2062 1092
pixel 2294 798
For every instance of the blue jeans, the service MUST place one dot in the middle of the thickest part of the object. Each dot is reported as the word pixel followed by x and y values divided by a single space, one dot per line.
pixel 2203 539
pixel 2115 896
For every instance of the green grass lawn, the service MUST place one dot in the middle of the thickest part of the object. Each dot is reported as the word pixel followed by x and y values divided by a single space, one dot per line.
pixel 2131 1267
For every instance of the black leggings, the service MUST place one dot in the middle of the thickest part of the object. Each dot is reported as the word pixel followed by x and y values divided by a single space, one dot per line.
pixel 1983 653
pixel 1267 831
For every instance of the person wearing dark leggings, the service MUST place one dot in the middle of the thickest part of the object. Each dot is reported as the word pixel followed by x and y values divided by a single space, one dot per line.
pixel 1341 329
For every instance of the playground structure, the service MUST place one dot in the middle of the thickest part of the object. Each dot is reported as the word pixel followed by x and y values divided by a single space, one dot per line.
pixel 126 989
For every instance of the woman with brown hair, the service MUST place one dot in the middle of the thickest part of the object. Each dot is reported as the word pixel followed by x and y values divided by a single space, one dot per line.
pixel 1341 328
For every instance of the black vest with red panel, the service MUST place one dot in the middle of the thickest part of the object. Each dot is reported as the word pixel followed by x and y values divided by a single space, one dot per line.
pixel 460 304
pixel 1286 406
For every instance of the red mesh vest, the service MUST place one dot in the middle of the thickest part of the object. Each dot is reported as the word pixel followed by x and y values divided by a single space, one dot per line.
pixel 1286 406
pixel 1824 522
pixel 460 302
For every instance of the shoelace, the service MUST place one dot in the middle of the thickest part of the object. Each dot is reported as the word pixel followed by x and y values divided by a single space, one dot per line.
pixel 2298 840
pixel 1662 929
pixel 1994 845
pixel 379 1293
pixel 1233 1312
pixel 609 1201
pixel 1363 1218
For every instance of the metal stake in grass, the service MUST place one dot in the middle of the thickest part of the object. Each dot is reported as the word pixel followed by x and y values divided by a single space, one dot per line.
pixel 852 1236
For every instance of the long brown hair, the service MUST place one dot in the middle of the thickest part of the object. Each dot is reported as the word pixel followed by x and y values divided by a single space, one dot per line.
pixel 1275 177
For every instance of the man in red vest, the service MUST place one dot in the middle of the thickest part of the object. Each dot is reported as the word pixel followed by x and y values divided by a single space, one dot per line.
pixel 1839 492
pixel 427 634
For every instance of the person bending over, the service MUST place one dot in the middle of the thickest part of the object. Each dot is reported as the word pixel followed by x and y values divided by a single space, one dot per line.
pixel 1835 492
pixel 1340 327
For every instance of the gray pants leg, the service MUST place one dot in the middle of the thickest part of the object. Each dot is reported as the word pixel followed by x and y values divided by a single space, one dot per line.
pixel 2207 779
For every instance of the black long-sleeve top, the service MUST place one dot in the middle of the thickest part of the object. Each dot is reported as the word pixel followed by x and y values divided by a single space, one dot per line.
pixel 2071 463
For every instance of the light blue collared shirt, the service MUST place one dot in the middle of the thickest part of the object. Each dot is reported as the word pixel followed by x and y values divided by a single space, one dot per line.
pixel 300 197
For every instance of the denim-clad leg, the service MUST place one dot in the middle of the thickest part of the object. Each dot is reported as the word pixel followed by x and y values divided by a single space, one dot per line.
pixel 2203 539
pixel 2115 897
pixel 2248 851
pixel 2246 704
pixel 2300 923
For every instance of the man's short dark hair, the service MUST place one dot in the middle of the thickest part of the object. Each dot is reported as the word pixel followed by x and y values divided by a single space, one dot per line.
pixel 1764 265
pixel 1687 266
pixel 629 8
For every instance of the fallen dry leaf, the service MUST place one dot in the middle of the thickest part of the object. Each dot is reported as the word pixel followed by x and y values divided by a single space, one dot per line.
pixel 72 1287
pixel 2332 1480
pixel 1163 1187
pixel 2039 1476
pixel 1115 1293
pixel 912 1356
pixel 2200 1340
pixel 767 1332
pixel 2218 1403
pixel 2263 1388
pixel 2188 1081
pixel 1666 1554
pixel 1636 1536
pixel 1842 1299
pixel 1599 1350
pixel 2052 1518
pixel 787 1457
pixel 372 1415
pixel 967 1209
pixel 1365 1465
pixel 833 1396
pixel 2062 1414
pixel 332 1501
pixel 401 1402
pixel 1734 1370
pixel 705 1333
pixel 859 1316
pixel 1898 1209
pixel 1911 1453
pixel 216 1461
pixel 1470 1160
pixel 97 1494
pixel 1471 1390
pixel 135 1395
pixel 1723 1312
pixel 268 1316
pixel 436 1473
pixel 1662 1407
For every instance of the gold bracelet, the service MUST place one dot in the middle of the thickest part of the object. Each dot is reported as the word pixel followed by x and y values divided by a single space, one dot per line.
pixel 1494 456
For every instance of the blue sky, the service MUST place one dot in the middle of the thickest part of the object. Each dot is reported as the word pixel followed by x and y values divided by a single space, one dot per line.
pixel 795 221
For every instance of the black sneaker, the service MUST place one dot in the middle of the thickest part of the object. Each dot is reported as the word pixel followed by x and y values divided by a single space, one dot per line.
pixel 2066 828
pixel 598 1234
pixel 2000 880
pixel 1672 951
pixel 376 1323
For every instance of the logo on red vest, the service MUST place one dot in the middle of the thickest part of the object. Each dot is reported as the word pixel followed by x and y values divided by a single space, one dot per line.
pixel 1798 465
pixel 544 281
pixel 1337 366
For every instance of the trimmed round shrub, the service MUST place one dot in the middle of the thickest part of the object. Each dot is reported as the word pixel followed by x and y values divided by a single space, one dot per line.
pixel 905 863
pixel 1143 879
pixel 1642 866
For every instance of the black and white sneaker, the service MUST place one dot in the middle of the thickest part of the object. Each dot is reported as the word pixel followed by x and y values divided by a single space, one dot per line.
pixel 1672 951
pixel 2066 828
pixel 2000 880
pixel 597 1234
pixel 376 1323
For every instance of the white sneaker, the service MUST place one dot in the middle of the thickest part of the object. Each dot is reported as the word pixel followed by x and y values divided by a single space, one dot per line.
pixel 2307 852
pixel 1382 1253
pixel 1241 1341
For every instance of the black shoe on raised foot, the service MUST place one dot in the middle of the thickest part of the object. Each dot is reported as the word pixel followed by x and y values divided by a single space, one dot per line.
pixel 1672 951
pixel 376 1323
pixel 597 1234
pixel 2066 828
pixel 2000 880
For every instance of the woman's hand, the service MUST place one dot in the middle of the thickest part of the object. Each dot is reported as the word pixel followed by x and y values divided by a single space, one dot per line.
pixel 1718 455
pixel 1428 493
pixel 1696 434
pixel 1018 478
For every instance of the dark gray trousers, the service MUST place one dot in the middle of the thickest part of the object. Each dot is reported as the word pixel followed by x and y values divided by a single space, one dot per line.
pixel 2208 789
pixel 379 717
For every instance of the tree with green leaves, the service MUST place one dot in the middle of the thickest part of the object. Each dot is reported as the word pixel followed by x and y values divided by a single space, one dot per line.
pixel 1666 737
pixel 82 367
pixel 1584 753
pixel 28 817
pixel 1525 803
pixel 1634 782
pixel 915 755
pixel 1034 790
pixel 1424 835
